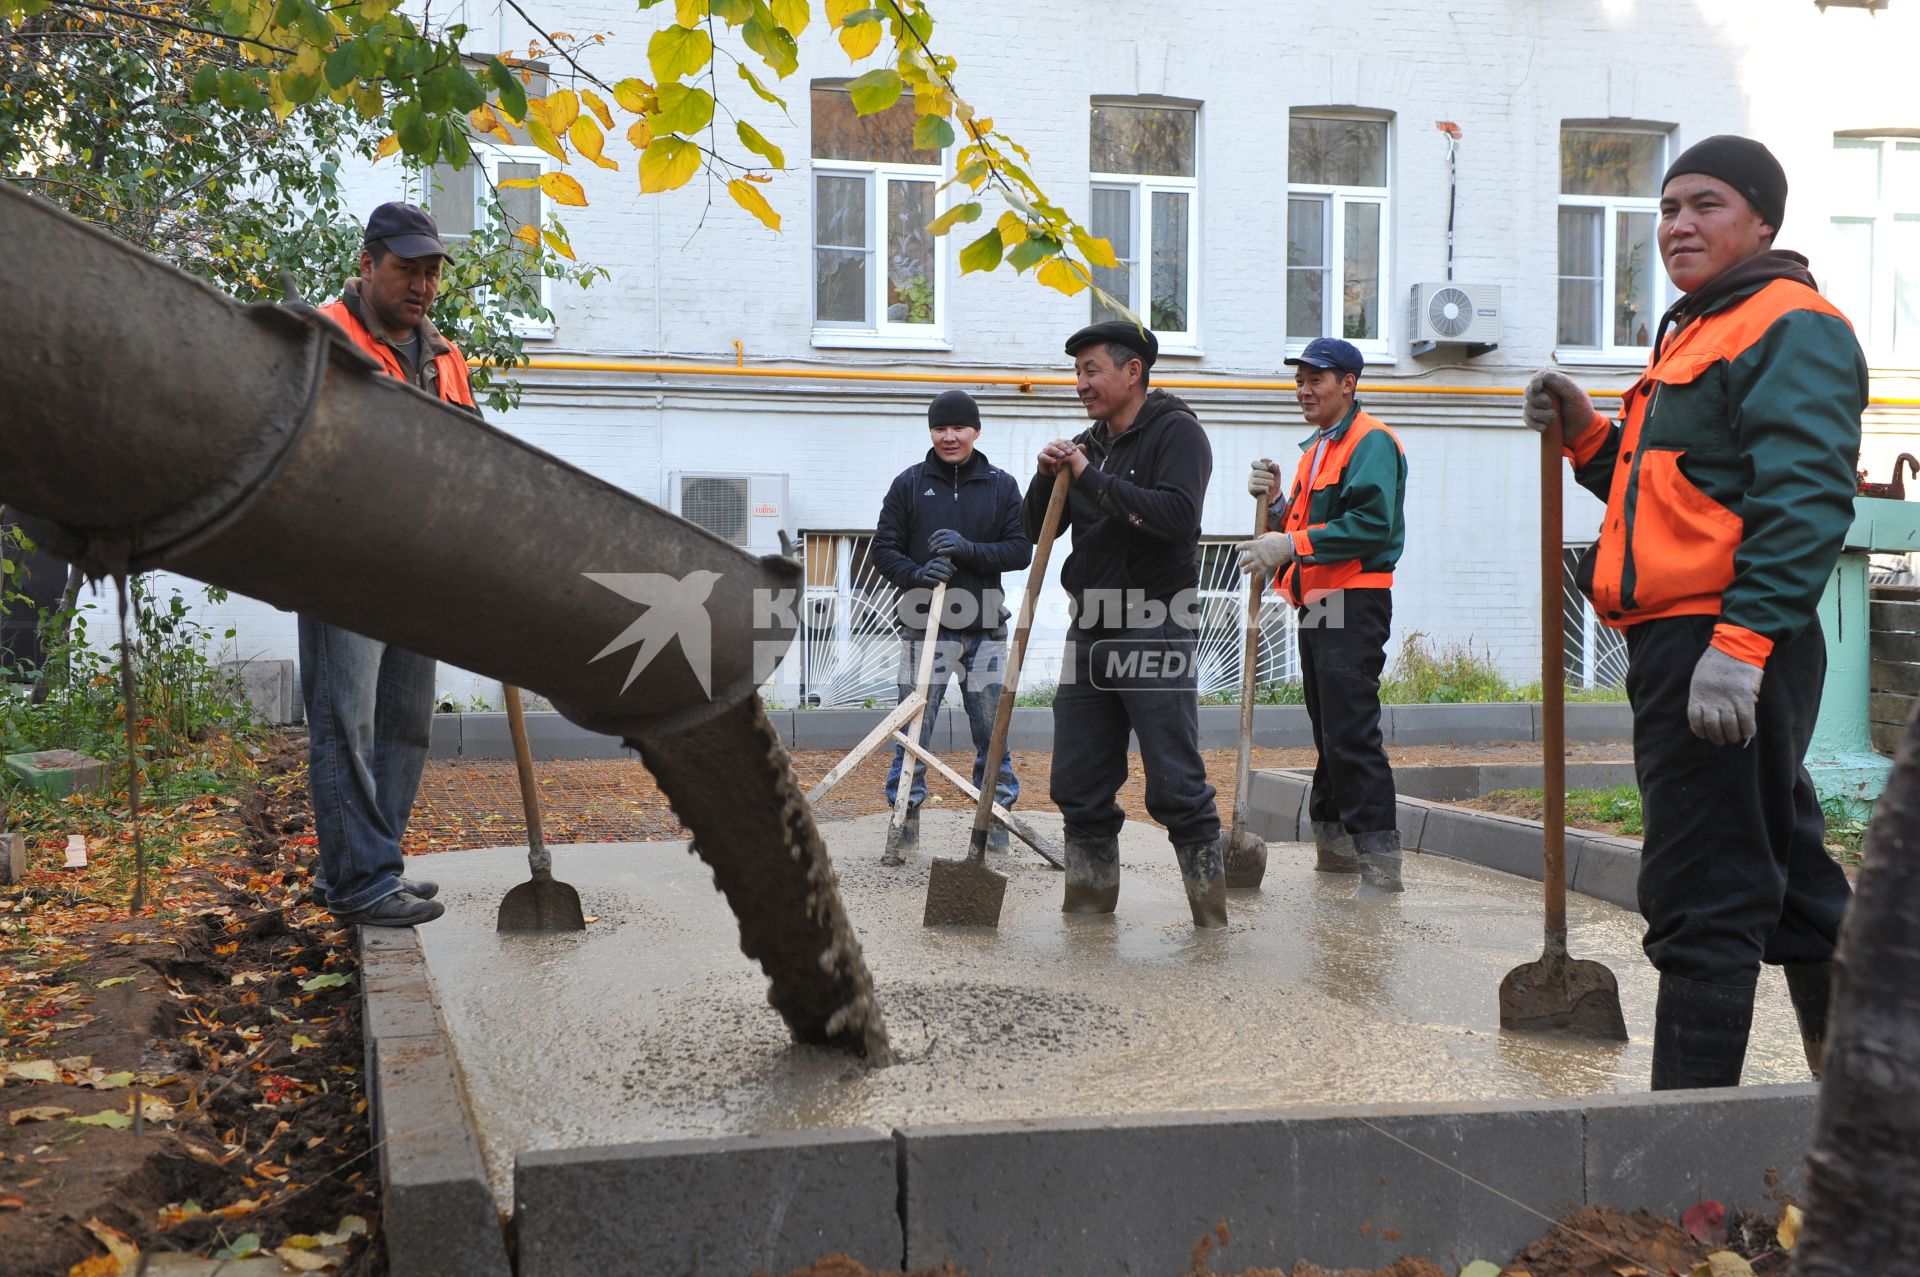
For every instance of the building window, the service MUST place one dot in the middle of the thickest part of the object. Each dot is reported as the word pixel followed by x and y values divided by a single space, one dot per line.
pixel 878 273
pixel 1146 198
pixel 1337 219
pixel 463 200
pixel 1612 286
pixel 1873 269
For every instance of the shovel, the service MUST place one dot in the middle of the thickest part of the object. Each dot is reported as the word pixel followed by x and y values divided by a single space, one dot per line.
pixel 1558 993
pixel 909 765
pixel 965 893
pixel 1246 854
pixel 543 902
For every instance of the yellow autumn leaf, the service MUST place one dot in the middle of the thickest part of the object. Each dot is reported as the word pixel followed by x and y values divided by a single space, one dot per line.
pixel 1061 275
pixel 640 134
pixel 632 95
pixel 747 197
pixel 388 145
pixel 563 108
pixel 1099 251
pixel 1789 1231
pixel 598 106
pixel 589 140
pixel 837 10
pixel 1013 227
pixel 518 183
pixel 563 188
pixel 791 14
pixel 528 235
pixel 861 38
pixel 559 245
pixel 544 138
pixel 484 120
pixel 668 163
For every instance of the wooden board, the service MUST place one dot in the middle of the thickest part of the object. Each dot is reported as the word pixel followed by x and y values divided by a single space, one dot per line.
pixel 1888 676
pixel 1900 648
pixel 1889 707
pixel 1896 592
pixel 1885 738
pixel 1895 616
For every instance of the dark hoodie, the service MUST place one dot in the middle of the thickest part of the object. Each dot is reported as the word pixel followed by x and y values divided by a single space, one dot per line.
pixel 978 500
pixel 1134 513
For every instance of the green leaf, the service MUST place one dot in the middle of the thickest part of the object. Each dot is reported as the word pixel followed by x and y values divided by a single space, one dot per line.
pixel 119 979
pixel 982 254
pixel 678 51
pixel 1480 1268
pixel 932 133
pixel 667 163
pixel 467 91
pixel 513 95
pixel 875 91
pixel 340 65
pixel 411 126
pixel 682 109
pixel 751 139
pixel 244 1245
pixel 1032 251
pixel 766 94
pixel 331 980
pixel 969 212
pixel 105 1117
pixel 733 12
pixel 774 45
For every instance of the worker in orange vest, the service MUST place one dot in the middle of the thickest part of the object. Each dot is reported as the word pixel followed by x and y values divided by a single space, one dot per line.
pixel 370 704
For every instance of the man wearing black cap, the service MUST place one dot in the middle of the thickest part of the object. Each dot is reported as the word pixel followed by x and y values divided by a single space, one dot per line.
pixel 952 517
pixel 1139 476
pixel 1729 481
pixel 369 704
pixel 1337 536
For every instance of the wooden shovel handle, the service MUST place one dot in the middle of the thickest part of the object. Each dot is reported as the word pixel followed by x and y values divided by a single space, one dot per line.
pixel 537 854
pixel 1553 688
pixel 1249 671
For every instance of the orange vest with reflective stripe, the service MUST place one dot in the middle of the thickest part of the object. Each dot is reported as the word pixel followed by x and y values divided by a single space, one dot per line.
pixel 1303 583
pixel 452 380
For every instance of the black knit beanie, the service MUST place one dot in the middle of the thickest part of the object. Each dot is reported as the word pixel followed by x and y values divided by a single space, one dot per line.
pixel 953 408
pixel 1743 164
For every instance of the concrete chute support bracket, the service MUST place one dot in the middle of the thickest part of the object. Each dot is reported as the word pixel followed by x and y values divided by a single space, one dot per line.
pixel 155 422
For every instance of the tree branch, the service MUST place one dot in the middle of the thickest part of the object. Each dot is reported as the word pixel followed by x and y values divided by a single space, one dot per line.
pixel 175 24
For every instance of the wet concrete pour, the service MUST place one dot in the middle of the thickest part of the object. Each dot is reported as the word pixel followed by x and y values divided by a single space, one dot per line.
pixel 652 1026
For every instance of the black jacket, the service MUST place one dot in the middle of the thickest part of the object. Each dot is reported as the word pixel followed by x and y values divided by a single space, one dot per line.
pixel 1134 512
pixel 978 500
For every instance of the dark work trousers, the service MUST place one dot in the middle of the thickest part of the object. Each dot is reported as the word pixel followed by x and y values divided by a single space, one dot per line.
pixel 1734 869
pixel 1343 648
pixel 1143 680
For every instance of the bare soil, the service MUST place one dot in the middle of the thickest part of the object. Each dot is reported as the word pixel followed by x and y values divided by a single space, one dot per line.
pixel 1512 803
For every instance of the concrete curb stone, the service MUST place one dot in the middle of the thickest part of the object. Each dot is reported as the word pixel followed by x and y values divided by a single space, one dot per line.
pixel 1667 1150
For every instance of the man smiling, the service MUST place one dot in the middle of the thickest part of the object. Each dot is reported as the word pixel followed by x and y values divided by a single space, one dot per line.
pixel 1729 481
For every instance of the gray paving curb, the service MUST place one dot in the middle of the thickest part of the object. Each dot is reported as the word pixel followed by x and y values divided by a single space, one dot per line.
pixel 482 735
pixel 438 1213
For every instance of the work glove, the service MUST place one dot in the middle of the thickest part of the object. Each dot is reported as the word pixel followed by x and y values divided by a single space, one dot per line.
pixel 1721 699
pixel 934 571
pixel 1264 481
pixel 951 544
pixel 1550 393
pixel 1266 553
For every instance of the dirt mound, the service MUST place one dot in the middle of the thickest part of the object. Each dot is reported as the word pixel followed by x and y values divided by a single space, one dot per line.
pixel 1597 1242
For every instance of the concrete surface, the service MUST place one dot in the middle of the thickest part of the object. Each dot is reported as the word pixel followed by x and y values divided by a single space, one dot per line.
pixel 1667 1156
pixel 651 1026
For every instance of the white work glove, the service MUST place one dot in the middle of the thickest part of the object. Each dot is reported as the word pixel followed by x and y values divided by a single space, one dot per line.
pixel 1264 481
pixel 1266 553
pixel 1550 393
pixel 1720 702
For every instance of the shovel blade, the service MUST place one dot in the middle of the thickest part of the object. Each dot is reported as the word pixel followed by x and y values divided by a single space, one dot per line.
pixel 542 904
pixel 1559 994
pixel 1246 858
pixel 964 893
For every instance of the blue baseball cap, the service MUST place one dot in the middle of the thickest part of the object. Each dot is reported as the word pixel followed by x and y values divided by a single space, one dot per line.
pixel 1331 352
pixel 409 231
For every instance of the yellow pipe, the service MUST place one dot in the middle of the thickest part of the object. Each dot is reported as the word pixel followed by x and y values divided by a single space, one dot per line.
pixel 1025 382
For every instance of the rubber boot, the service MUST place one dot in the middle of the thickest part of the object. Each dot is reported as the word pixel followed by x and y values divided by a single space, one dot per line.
pixel 1093 875
pixel 1810 984
pixel 1204 870
pixel 1333 848
pixel 903 840
pixel 1699 1033
pixel 1379 857
pixel 998 839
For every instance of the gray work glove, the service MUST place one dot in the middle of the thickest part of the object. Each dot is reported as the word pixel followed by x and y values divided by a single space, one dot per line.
pixel 1550 393
pixel 1266 553
pixel 1264 481
pixel 948 542
pixel 934 571
pixel 1720 702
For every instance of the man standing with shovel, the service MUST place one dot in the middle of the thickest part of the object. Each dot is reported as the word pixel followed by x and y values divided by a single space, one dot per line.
pixel 1729 481
pixel 953 519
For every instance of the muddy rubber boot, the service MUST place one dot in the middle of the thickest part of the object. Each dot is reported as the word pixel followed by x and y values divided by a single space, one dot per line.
pixel 1379 857
pixel 998 839
pixel 1333 848
pixel 903 840
pixel 1810 984
pixel 1203 869
pixel 1699 1033
pixel 1093 875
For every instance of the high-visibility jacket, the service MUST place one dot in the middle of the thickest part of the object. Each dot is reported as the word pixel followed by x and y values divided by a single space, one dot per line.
pixel 1729 474
pixel 448 373
pixel 1348 521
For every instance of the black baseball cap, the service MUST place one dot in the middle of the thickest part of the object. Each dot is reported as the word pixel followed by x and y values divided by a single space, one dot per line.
pixel 1331 352
pixel 407 230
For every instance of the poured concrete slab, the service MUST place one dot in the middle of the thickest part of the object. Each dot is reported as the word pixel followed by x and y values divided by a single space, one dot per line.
pixel 650 1025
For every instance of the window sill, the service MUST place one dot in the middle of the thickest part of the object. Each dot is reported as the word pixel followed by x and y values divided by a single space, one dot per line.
pixel 1174 350
pixel 827 339
pixel 530 332
pixel 1625 361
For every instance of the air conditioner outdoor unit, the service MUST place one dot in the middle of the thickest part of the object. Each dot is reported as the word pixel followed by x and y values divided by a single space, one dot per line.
pixel 747 509
pixel 1461 314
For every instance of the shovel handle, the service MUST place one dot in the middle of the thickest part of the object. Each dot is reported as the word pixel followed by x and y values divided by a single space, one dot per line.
pixel 1553 687
pixel 538 857
pixel 1016 651
pixel 1249 673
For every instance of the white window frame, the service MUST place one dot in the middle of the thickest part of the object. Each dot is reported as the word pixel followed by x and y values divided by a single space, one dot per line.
pixel 1607 353
pixel 1141 188
pixel 484 167
pixel 881 333
pixel 1879 215
pixel 1337 199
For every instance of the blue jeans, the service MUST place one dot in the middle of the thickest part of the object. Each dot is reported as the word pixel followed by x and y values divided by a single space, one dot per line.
pixel 981 662
pixel 369 719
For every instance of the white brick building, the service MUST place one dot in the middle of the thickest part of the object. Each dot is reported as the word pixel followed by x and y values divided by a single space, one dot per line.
pixel 697 313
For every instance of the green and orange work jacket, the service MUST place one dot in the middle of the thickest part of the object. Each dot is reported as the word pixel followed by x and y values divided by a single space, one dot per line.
pixel 1729 473
pixel 1348 521
pixel 445 375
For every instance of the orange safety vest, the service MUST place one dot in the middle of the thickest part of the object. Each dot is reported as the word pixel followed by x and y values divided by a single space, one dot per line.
pixel 452 380
pixel 1302 583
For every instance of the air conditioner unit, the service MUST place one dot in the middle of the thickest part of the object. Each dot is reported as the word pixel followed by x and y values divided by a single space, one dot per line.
pixel 750 510
pixel 1459 314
